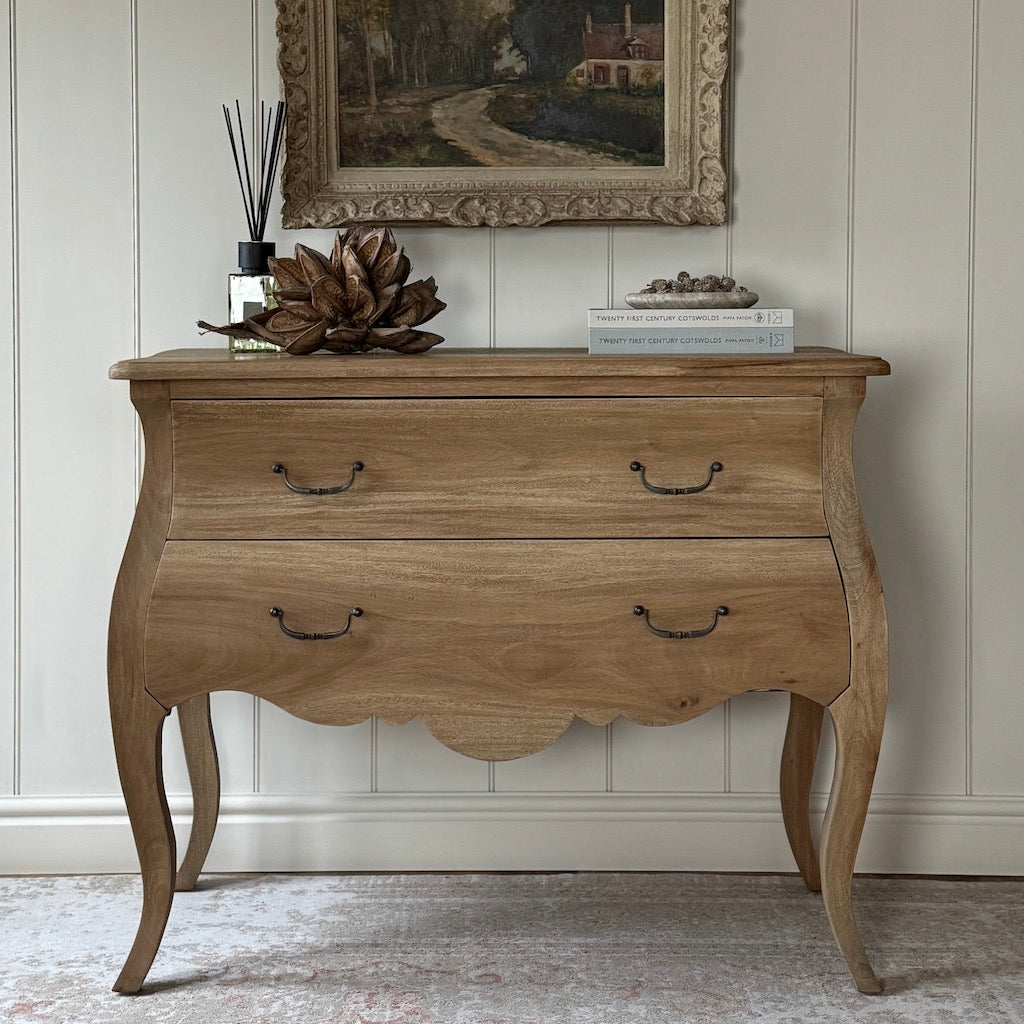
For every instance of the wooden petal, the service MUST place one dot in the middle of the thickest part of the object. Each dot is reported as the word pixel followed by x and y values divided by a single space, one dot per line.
pixel 314 265
pixel 404 339
pixel 287 272
pixel 301 308
pixel 328 299
pixel 339 244
pixel 417 303
pixel 346 334
pixel 386 300
pixel 284 321
pixel 368 248
pixel 362 306
pixel 252 327
pixel 351 265
pixel 308 341
pixel 393 270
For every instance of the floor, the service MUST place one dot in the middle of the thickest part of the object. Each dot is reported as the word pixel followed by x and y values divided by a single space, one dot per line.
pixel 511 949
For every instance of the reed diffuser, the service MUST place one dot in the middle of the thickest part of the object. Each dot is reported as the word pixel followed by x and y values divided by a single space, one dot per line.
pixel 251 289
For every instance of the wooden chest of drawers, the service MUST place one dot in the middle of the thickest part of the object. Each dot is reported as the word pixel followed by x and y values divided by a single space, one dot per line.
pixel 497 543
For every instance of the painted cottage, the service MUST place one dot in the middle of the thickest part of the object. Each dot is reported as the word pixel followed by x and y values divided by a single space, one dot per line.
pixel 621 55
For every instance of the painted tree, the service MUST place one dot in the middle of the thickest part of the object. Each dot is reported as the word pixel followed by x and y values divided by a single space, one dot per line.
pixel 360 23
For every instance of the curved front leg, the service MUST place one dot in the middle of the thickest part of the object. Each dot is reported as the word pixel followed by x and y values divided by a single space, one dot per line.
pixel 204 774
pixel 858 713
pixel 799 754
pixel 138 729
pixel 858 727
pixel 136 718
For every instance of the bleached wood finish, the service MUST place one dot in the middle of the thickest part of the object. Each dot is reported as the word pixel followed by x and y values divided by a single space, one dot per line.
pixel 497 644
pixel 858 712
pixel 495 638
pixel 498 468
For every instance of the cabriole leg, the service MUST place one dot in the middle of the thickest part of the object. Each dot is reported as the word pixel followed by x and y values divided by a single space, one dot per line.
pixel 798 758
pixel 858 728
pixel 138 729
pixel 204 775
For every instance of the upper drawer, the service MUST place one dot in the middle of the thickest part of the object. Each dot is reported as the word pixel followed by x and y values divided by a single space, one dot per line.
pixel 498 468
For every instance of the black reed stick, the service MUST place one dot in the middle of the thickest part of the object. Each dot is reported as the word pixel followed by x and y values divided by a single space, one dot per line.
pixel 257 188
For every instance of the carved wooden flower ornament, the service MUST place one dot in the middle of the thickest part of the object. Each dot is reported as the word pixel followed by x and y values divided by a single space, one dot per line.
pixel 355 301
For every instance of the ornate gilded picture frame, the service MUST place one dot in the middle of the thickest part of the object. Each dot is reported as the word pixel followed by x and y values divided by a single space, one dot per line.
pixel 504 112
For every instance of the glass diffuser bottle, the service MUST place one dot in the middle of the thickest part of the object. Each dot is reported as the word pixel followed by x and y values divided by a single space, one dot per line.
pixel 251 291
pixel 251 288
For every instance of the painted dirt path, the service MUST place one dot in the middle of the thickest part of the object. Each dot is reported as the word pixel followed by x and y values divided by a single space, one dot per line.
pixel 462 121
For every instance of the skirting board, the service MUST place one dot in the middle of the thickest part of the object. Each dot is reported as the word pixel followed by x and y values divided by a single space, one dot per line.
pixel 515 832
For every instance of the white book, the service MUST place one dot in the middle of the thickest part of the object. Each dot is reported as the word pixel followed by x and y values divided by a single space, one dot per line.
pixel 683 341
pixel 753 317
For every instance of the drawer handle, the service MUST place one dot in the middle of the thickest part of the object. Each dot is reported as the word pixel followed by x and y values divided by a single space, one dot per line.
pixel 684 634
pixel 638 467
pixel 279 615
pixel 357 467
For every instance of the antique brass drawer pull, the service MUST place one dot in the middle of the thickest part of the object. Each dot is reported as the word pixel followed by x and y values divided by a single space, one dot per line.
pixel 279 615
pixel 685 634
pixel 638 467
pixel 357 467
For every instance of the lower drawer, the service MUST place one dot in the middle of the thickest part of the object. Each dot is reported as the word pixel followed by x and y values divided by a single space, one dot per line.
pixel 498 644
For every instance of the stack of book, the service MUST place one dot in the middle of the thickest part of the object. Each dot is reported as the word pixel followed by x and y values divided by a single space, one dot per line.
pixel 690 331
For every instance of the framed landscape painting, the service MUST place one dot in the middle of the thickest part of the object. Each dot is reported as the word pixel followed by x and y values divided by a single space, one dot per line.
pixel 503 112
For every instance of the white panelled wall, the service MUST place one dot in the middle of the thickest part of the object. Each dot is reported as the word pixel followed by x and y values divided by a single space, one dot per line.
pixel 875 153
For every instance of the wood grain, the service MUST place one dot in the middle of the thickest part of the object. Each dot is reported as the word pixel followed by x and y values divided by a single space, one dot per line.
pixel 495 366
pixel 608 386
pixel 204 776
pixel 498 468
pixel 136 717
pixel 858 713
pixel 799 752
pixel 498 644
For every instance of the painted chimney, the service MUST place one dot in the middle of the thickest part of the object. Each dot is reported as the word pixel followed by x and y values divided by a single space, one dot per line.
pixel 588 25
pixel 627 16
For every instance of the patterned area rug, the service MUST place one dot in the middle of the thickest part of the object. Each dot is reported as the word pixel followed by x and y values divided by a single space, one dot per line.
pixel 511 949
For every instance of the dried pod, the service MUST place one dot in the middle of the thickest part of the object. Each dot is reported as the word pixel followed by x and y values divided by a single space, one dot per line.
pixel 353 301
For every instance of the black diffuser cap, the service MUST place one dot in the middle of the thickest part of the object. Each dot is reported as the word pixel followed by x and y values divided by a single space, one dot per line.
pixel 253 256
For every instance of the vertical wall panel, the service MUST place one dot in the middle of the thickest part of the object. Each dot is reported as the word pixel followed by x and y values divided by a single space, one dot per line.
pixel 8 626
pixel 789 230
pixel 75 216
pixel 685 758
pixel 998 466
pixel 303 757
pixel 547 279
pixel 191 211
pixel 791 160
pixel 410 760
pixel 191 219
pixel 576 762
pixel 910 294
pixel 640 254
pixel 459 260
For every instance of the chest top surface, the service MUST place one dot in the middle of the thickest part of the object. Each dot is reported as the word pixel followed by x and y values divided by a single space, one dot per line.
pixel 495 365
